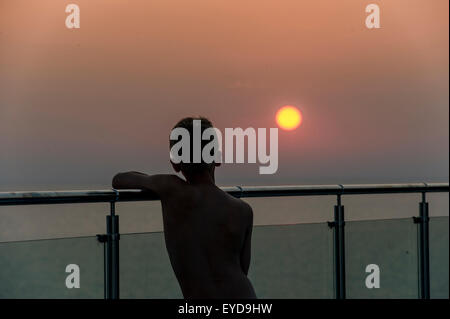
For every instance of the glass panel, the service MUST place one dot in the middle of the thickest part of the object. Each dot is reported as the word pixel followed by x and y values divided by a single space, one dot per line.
pixel 31 222
pixel 439 267
pixel 288 210
pixel 389 244
pixel 292 261
pixel 145 269
pixel 380 206
pixel 37 269
pixel 140 217
pixel 438 204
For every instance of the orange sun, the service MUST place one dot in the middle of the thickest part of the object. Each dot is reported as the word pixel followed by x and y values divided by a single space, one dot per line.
pixel 289 118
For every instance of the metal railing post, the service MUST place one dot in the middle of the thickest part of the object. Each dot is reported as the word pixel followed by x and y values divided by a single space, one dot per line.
pixel 339 249
pixel 113 249
pixel 424 248
pixel 111 255
pixel 108 260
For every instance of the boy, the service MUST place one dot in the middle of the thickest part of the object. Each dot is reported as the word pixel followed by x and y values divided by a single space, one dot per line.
pixel 207 231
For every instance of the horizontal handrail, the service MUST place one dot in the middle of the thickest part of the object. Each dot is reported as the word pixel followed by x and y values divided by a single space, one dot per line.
pixel 111 195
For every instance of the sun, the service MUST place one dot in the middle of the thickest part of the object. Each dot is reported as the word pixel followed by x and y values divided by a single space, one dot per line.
pixel 288 118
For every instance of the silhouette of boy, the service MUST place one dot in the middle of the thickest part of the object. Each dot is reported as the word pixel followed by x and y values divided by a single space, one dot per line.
pixel 207 231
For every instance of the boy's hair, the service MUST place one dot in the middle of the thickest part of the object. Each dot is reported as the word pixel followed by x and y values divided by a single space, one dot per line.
pixel 188 124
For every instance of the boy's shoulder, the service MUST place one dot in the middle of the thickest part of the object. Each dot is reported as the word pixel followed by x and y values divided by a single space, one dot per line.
pixel 247 210
pixel 244 208
pixel 165 185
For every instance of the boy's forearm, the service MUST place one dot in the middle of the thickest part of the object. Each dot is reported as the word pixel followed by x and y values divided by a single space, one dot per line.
pixel 129 180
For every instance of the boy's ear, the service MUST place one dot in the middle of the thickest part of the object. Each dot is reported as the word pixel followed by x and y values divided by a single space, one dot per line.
pixel 176 167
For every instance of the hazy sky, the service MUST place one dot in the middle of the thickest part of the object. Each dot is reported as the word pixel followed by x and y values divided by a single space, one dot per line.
pixel 78 105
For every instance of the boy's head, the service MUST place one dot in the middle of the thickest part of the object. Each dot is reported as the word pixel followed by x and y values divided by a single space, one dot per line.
pixel 192 168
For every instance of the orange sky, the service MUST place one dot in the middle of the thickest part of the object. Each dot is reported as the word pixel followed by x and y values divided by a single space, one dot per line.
pixel 78 105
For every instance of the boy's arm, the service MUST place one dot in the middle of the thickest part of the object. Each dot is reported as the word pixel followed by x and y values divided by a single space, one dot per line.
pixel 160 184
pixel 247 249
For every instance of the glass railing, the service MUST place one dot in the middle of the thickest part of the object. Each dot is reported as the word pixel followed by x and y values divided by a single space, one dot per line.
pixel 294 246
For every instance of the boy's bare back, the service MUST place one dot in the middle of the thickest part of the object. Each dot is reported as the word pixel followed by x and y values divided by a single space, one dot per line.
pixel 207 237
pixel 207 233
